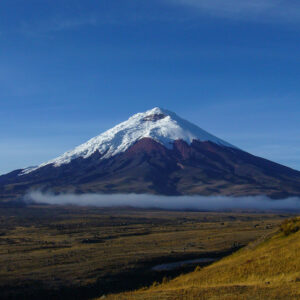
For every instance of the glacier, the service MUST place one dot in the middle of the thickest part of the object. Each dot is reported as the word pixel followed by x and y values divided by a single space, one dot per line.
pixel 161 125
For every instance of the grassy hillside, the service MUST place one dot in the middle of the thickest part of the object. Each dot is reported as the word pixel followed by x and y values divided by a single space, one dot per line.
pixel 266 269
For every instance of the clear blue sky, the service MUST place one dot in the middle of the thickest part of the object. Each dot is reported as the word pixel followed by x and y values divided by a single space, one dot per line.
pixel 70 69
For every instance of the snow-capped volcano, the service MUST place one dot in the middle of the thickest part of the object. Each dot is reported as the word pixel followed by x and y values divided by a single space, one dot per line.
pixel 156 152
pixel 163 126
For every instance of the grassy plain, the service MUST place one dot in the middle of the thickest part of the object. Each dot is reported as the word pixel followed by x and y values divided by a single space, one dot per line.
pixel 266 269
pixel 80 253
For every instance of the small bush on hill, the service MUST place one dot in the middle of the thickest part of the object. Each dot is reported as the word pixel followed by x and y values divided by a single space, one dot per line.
pixel 290 226
pixel 198 269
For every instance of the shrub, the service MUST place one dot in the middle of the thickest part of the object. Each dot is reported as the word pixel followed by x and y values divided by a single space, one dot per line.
pixel 165 280
pixel 290 226
pixel 197 269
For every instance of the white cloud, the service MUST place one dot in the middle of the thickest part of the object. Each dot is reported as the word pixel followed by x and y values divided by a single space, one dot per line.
pixel 262 10
pixel 165 202
pixel 57 24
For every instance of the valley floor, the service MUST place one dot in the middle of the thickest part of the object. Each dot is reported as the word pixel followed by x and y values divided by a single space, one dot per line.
pixel 81 253
pixel 266 269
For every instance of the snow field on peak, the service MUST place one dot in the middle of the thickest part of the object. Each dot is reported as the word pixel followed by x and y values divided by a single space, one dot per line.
pixel 161 125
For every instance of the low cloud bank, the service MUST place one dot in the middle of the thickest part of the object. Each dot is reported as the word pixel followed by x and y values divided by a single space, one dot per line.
pixel 165 202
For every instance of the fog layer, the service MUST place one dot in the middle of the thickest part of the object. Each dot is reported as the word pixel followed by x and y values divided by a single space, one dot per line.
pixel 165 202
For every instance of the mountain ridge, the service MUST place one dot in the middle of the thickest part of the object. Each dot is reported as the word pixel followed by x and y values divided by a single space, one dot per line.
pixel 157 152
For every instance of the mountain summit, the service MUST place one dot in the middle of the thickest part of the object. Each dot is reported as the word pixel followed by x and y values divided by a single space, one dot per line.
pixel 161 125
pixel 156 152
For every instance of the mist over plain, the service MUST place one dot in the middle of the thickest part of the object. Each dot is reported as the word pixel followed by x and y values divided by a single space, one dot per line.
pixel 165 202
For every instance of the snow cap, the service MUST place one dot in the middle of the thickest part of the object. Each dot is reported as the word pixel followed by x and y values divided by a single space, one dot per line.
pixel 161 125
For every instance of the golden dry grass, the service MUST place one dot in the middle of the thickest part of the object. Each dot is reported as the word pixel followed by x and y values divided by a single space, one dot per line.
pixel 269 269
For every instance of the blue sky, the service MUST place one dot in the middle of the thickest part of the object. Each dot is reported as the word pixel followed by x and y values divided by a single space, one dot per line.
pixel 70 69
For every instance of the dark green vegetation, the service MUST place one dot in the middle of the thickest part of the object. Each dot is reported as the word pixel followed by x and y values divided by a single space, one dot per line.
pixel 80 253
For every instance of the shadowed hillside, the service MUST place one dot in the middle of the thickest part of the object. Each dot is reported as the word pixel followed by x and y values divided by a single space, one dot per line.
pixel 266 269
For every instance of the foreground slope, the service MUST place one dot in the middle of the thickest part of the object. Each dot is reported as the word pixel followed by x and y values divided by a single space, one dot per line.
pixel 156 152
pixel 268 269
